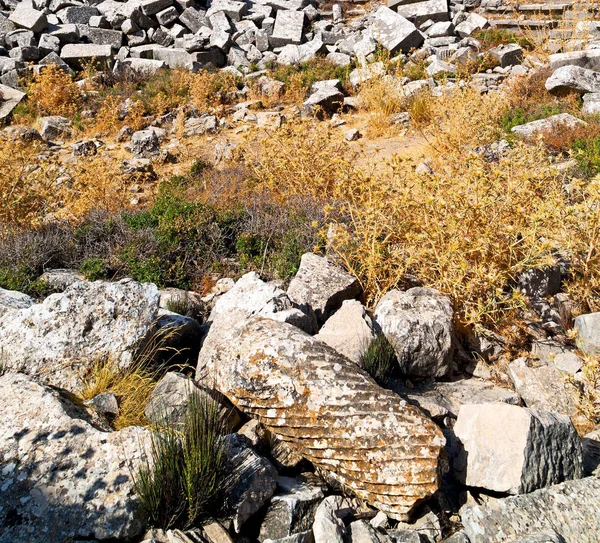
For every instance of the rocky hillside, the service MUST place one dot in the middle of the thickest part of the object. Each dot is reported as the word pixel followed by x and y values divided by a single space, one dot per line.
pixel 295 272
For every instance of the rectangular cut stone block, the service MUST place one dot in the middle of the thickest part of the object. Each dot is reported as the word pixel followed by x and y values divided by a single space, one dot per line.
pixel 395 32
pixel 74 53
pixel 288 28
pixel 234 10
pixel 419 12
pixel 193 19
pixel 102 36
pixel 512 449
pixel 152 7
pixel 174 58
pixel 29 18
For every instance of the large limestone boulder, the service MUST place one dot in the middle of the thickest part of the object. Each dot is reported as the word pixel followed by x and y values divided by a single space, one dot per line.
pixel 330 411
pixel 512 449
pixel 418 323
pixel 321 286
pixel 62 477
pixel 58 340
pixel 349 330
pixel 570 509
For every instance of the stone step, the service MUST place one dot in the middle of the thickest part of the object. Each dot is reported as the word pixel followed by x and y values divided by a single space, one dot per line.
pixel 531 8
pixel 531 24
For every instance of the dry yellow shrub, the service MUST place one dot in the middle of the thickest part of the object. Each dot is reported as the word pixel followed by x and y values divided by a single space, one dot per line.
pixel 25 187
pixel 468 229
pixel 34 189
pixel 53 92
pixel 211 91
pixel 301 159
pixel 91 184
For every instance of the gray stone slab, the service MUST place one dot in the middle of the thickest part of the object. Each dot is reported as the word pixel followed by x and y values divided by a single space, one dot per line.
pixel 570 509
pixel 394 32
pixel 419 12
pixel 74 53
pixel 288 28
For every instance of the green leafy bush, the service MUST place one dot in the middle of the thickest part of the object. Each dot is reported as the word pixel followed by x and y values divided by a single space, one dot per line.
pixel 587 154
pixel 519 116
pixel 94 269
pixel 24 279
pixel 178 485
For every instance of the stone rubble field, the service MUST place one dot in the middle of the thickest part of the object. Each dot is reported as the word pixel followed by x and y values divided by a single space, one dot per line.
pixel 506 464
pixel 453 448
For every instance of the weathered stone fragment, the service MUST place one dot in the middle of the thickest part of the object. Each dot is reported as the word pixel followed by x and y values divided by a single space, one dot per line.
pixel 322 286
pixel 425 10
pixel 591 453
pixel 543 387
pixel 328 526
pixel 288 28
pixel 472 23
pixel 418 323
pixel 250 482
pixel 75 53
pixel 361 531
pixel 588 333
pixel 250 296
pixel 573 78
pixel 170 399
pixel 11 299
pixel 586 58
pixel 9 99
pixel 507 55
pixel 27 17
pixel 62 477
pixel 506 448
pixel 349 330
pixel 326 101
pixel 54 127
pixel 59 339
pixel 549 125
pixel 329 410
pixel 570 509
pixel 144 144
pixel 291 510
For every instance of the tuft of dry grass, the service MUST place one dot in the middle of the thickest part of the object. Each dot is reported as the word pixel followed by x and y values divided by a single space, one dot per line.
pixel 132 385
pixel 52 91
pixel 381 97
